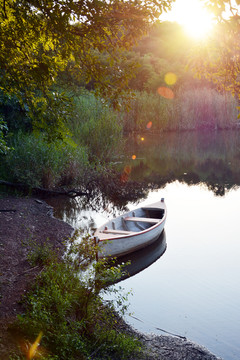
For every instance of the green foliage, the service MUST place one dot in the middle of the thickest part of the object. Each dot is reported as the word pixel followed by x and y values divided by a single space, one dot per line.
pixel 65 305
pixel 49 114
pixel 95 125
pixel 39 40
pixel 148 112
pixel 164 49
pixel 3 145
pixel 16 117
pixel 40 254
pixel 35 162
pixel 50 307
pixel 115 343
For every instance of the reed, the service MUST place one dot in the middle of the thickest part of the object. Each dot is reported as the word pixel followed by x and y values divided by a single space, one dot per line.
pixel 148 112
pixel 189 109
pixel 206 108
pixel 95 125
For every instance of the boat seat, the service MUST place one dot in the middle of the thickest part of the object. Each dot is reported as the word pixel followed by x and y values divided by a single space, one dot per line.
pixel 121 232
pixel 142 219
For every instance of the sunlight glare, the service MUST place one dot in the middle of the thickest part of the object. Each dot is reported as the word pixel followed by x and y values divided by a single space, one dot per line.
pixel 193 16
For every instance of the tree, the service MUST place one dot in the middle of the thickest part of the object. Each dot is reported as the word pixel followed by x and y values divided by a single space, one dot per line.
pixel 39 39
pixel 164 49
pixel 219 58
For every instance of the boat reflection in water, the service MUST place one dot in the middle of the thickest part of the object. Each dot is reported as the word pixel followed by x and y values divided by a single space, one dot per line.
pixel 141 259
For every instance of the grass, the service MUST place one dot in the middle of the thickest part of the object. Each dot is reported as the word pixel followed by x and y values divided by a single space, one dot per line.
pixel 40 254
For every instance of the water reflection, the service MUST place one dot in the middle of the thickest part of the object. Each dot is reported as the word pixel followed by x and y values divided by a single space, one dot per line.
pixel 142 259
pixel 208 158
pixel 107 197
pixel 84 213
pixel 212 158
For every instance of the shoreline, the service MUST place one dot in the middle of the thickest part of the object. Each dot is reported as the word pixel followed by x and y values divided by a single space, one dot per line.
pixel 24 221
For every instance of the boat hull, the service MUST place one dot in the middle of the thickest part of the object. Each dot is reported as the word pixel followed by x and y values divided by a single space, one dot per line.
pixel 115 247
pixel 110 245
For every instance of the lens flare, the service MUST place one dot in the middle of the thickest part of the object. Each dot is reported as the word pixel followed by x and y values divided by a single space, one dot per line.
pixel 170 78
pixel 125 174
pixel 166 92
pixel 127 169
pixel 34 346
pixel 149 125
pixel 142 139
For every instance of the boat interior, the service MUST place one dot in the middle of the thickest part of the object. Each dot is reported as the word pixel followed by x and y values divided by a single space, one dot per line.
pixel 134 221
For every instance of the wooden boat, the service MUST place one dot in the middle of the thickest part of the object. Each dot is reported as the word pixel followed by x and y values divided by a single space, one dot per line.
pixel 131 231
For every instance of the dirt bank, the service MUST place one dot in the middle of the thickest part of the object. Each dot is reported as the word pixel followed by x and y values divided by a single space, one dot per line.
pixel 24 221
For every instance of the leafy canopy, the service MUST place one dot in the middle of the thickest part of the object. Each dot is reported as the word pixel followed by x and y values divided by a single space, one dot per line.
pixel 40 38
pixel 219 58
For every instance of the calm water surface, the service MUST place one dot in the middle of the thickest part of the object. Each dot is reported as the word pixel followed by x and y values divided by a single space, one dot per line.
pixel 193 288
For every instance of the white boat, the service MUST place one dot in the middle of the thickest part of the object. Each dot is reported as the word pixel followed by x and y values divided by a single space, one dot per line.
pixel 132 231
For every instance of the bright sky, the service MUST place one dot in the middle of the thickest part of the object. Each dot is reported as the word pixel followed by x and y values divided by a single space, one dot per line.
pixel 192 15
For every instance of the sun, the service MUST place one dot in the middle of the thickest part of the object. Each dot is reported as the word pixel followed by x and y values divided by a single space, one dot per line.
pixel 193 16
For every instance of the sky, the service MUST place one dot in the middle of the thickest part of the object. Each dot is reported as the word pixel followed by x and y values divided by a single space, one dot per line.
pixel 192 15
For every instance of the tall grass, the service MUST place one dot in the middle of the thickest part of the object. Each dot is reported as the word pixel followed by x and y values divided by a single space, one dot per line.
pixel 189 110
pixel 96 126
pixel 206 108
pixel 148 112
pixel 35 162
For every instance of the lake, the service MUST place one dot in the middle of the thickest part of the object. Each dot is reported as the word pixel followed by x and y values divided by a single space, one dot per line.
pixel 192 289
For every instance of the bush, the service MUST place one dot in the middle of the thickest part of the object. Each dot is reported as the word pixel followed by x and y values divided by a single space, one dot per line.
pixel 35 162
pixel 65 310
pixel 3 130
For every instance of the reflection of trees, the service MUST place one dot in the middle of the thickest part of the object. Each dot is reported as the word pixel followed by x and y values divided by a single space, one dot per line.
pixel 211 158
pixel 219 190
pixel 108 193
